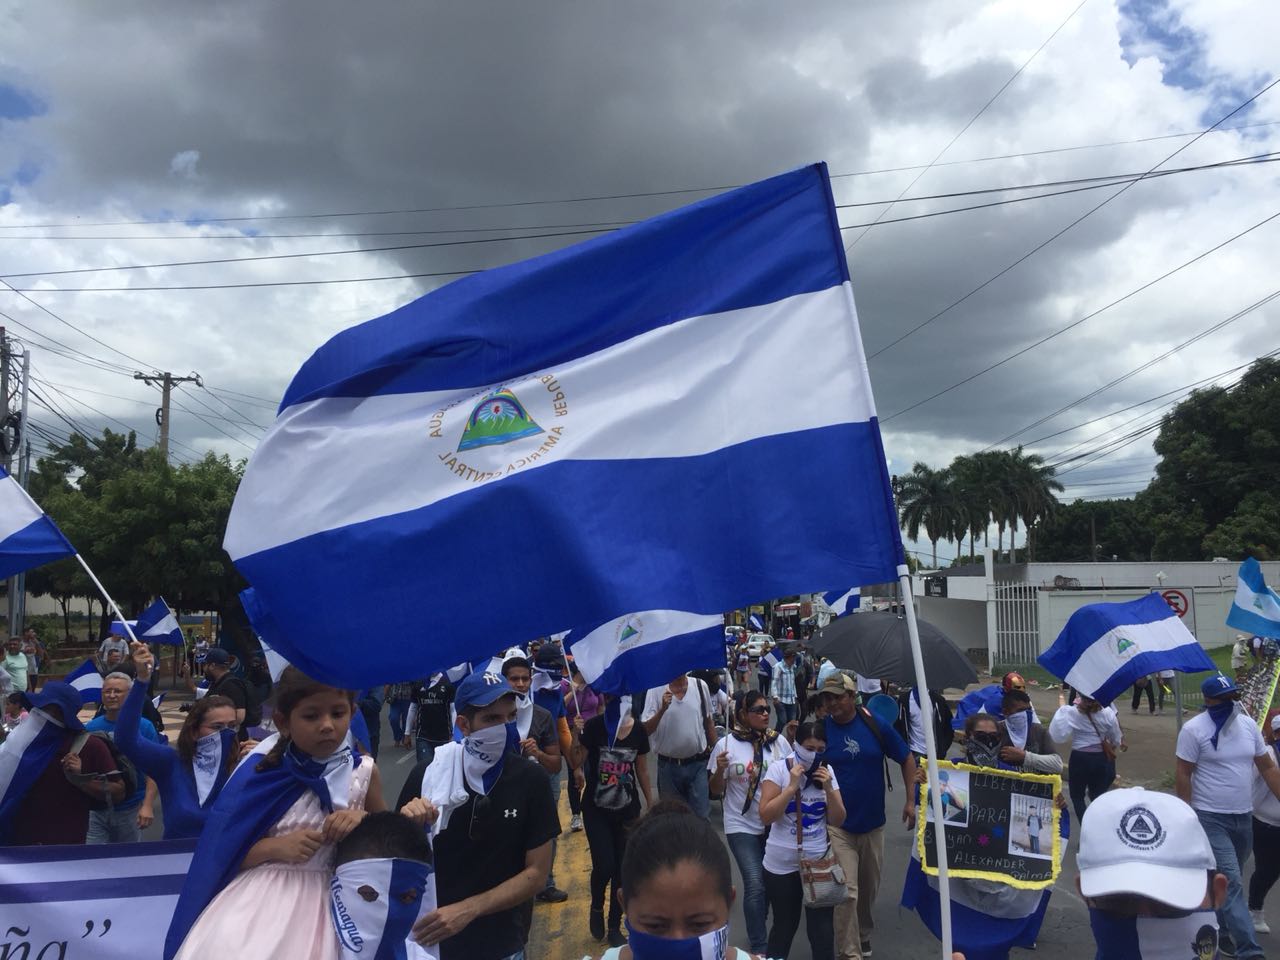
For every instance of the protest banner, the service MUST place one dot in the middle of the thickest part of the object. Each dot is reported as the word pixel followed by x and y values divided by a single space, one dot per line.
pixel 100 902
pixel 999 825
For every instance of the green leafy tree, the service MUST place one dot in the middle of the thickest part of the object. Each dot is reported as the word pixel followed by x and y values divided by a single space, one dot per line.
pixel 927 500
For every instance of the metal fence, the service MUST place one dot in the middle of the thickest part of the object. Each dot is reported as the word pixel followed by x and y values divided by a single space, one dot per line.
pixel 1017 623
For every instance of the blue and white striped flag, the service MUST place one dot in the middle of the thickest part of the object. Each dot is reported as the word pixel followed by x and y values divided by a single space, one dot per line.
pixel 28 538
pixel 157 624
pixel 571 426
pixel 843 601
pixel 87 680
pixel 1256 607
pixel 1105 647
pixel 643 650
pixel 756 622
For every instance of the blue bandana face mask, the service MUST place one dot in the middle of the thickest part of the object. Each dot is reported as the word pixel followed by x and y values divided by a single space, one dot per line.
pixel 709 946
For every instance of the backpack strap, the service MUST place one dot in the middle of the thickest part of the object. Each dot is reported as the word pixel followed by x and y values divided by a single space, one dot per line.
pixel 869 719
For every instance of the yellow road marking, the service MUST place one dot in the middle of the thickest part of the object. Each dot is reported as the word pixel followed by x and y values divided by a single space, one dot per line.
pixel 559 930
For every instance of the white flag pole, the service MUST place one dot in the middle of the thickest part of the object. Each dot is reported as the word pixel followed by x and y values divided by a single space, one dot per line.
pixel 931 754
pixel 107 597
pixel 568 672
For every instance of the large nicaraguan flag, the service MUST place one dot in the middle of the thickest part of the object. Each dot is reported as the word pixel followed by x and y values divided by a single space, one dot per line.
pixel 633 653
pixel 1105 647
pixel 1256 607
pixel 569 439
pixel 28 538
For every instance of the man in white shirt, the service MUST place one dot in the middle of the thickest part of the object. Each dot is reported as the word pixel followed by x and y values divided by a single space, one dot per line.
pixel 681 732
pixel 1218 751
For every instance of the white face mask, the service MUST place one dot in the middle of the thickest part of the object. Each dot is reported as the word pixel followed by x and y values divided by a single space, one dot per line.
pixel 1017 724
pixel 374 905
pixel 482 754
pixel 804 756
pixel 524 715
pixel 209 763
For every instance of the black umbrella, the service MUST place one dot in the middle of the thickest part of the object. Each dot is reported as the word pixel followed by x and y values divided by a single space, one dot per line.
pixel 877 646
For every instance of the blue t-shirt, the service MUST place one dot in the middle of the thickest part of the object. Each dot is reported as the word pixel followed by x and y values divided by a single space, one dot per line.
pixel 551 701
pixel 147 729
pixel 856 757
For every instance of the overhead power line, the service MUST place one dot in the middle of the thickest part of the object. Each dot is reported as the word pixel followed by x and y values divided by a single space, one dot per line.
pixel 1075 323
pixel 972 120
pixel 1078 220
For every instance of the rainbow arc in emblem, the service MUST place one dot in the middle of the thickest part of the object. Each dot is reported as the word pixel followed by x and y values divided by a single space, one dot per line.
pixel 498 418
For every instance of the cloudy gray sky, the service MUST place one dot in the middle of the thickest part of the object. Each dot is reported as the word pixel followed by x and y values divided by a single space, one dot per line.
pixel 199 113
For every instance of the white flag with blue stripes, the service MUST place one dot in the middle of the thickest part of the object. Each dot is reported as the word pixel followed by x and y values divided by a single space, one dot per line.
pixel 1105 647
pixel 87 680
pixel 157 624
pixel 757 623
pixel 638 651
pixel 572 438
pixel 28 538
pixel 1256 607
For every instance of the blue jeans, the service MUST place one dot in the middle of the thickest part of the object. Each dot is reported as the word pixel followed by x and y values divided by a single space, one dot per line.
pixel 396 714
pixel 748 851
pixel 425 749
pixel 786 713
pixel 686 780
pixel 1231 837
pixel 114 826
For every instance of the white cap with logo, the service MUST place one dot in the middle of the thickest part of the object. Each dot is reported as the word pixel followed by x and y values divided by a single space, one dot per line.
pixel 1146 843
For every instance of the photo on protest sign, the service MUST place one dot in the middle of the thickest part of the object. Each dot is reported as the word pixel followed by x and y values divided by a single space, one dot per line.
pixel 998 825
pixel 954 786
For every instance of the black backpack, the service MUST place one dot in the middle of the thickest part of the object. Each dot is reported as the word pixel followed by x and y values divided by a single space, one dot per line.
pixel 120 763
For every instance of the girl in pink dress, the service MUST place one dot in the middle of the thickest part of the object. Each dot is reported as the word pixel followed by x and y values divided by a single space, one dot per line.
pixel 276 903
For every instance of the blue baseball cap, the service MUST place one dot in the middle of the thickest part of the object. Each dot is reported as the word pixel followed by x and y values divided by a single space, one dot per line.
pixel 62 695
pixel 480 690
pixel 1219 686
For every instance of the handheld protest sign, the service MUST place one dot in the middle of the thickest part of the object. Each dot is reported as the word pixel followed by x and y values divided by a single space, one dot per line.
pixel 999 825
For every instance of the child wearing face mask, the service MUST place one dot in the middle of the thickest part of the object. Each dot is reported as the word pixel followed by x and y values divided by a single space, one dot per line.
pixel 259 880
pixel 383 883
pixel 189 778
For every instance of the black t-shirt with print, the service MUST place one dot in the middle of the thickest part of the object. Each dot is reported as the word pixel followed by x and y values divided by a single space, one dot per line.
pixel 517 815
pixel 611 784
pixel 433 721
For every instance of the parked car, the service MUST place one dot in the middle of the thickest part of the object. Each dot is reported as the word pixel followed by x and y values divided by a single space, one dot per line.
pixel 758 644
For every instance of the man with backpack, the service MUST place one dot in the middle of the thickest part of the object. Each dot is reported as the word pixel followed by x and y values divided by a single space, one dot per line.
pixel 858 750
pixel 910 723
pixel 123 821
pixel 224 683
pixel 47 786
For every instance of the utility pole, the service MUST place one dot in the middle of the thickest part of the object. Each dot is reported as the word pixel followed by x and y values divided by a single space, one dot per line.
pixel 13 437
pixel 166 381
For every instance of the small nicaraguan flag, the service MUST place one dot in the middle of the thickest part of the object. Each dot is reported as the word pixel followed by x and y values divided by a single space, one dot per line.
pixel 28 538
pixel 843 601
pixel 157 624
pixel 87 680
pixel 1256 607
pixel 767 663
pixel 755 621
pixel 645 650
pixel 1105 647
pixel 577 406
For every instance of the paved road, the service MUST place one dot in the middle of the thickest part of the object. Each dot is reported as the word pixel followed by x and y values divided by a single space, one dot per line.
pixel 560 931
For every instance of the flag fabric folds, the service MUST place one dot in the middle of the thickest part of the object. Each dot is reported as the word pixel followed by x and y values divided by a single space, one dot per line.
pixel 568 439
pixel 643 650
pixel 1105 647
pixel 1256 607
pixel 28 538
pixel 87 680
pixel 756 622
pixel 23 757
pixel 843 601
pixel 157 624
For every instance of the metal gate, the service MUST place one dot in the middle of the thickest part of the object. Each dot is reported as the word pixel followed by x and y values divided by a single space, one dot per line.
pixel 1017 623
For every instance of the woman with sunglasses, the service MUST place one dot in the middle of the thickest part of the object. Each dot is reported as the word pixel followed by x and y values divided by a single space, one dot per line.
pixel 610 748
pixel 737 766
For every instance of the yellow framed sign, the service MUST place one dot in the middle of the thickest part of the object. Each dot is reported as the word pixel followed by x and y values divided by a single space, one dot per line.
pixel 998 824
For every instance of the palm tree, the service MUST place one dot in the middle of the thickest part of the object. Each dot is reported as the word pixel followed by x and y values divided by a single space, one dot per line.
pixel 927 498
pixel 1034 487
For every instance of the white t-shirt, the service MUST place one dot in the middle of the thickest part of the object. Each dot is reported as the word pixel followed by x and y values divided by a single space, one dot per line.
pixel 1222 781
pixel 1265 805
pixel 780 853
pixel 680 733
pixel 737 776
pixel 1082 729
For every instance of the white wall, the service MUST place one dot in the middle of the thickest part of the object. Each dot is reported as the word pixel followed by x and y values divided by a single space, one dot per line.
pixel 1206 617
pixel 1188 574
